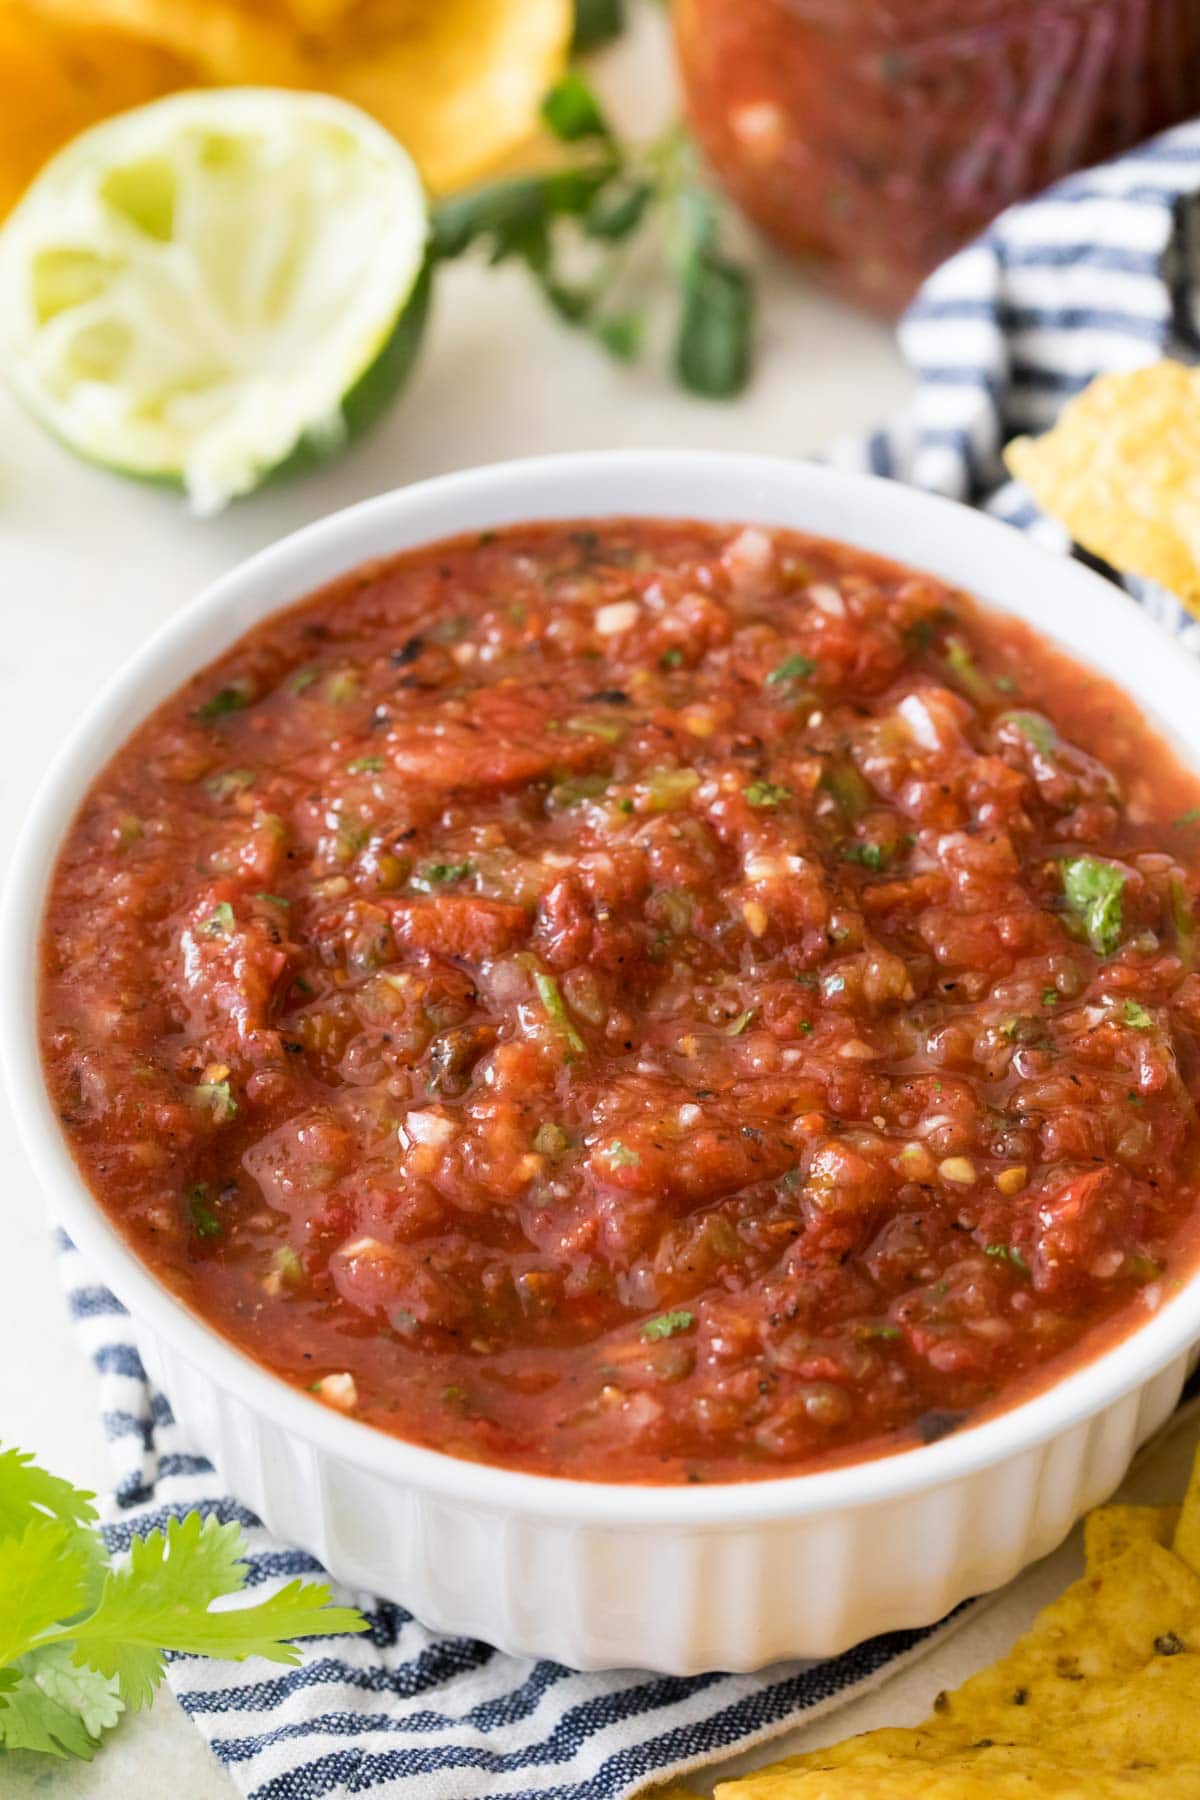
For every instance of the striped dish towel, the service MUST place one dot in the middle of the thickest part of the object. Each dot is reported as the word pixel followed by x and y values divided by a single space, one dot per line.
pixel 1098 274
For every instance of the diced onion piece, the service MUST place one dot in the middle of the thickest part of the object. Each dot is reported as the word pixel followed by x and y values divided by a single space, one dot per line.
pixel 337 1390
pixel 749 559
pixel 827 599
pixel 762 867
pixel 430 1127
pixel 618 616
pixel 363 1247
pixel 920 722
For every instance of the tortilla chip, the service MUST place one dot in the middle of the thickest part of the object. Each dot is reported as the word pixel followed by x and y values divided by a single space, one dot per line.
pixel 1187 1533
pixel 1111 1529
pixel 904 1766
pixel 227 43
pixel 56 79
pixel 1121 470
pixel 1100 1698
pixel 460 82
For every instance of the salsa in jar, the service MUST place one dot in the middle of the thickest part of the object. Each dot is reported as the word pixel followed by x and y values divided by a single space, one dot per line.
pixel 640 1001
pixel 878 136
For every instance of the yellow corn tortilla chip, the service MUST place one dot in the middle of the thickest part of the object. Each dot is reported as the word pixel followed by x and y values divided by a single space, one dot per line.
pixel 228 43
pixel 1121 470
pixel 1187 1533
pixel 316 16
pixel 56 79
pixel 902 1766
pixel 459 82
pixel 1111 1529
pixel 1100 1698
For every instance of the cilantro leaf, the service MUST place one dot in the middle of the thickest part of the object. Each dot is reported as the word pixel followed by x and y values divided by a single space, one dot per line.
pixel 80 1642
pixel 1034 727
pixel 666 1325
pixel 49 1704
pixel 515 214
pixel 45 1576
pixel 27 1492
pixel 1093 889
pixel 792 668
pixel 229 699
pixel 618 210
pixel 437 874
pixel 161 1601
pixel 597 22
pixel 572 111
pixel 712 350
pixel 869 855
pixel 1135 1014
pixel 205 1222
pixel 611 194
pixel 1008 1253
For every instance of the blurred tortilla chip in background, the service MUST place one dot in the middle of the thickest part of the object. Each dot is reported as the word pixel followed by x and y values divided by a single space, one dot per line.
pixel 459 82
pixel 1121 470
pixel 55 79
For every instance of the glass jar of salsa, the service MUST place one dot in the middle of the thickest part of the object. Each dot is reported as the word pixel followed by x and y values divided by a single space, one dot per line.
pixel 880 135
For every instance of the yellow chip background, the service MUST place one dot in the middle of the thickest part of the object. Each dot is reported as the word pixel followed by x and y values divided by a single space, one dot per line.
pixel 227 44
pixel 1112 1529
pixel 56 79
pixel 459 82
pixel 1121 470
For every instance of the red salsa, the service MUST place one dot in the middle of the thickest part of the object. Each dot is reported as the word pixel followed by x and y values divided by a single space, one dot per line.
pixel 640 1000
pixel 880 135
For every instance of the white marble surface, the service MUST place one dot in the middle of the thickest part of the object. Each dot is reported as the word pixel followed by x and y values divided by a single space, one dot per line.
pixel 89 565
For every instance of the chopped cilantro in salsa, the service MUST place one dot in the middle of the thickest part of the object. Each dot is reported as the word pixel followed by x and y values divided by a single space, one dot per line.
pixel 667 1325
pixel 1093 888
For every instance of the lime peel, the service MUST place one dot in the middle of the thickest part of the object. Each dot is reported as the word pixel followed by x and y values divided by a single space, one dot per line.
pixel 216 288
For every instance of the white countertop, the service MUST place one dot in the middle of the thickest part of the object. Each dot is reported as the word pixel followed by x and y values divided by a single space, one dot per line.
pixel 89 565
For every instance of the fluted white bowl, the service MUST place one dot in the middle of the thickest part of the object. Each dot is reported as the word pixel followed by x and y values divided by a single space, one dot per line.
pixel 681 1579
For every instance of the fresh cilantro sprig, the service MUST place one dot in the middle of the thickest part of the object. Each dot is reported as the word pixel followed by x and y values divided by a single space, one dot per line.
pixel 614 199
pixel 82 1641
pixel 597 22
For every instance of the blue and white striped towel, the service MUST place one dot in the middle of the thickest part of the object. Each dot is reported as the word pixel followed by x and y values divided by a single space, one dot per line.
pixel 1102 273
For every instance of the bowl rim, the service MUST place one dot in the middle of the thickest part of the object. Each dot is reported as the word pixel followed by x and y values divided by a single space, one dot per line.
pixel 655 483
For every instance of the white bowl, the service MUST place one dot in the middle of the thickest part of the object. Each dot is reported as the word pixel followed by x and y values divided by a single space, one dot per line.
pixel 679 1579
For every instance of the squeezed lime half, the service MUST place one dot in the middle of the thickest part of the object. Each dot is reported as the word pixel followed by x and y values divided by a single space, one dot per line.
pixel 217 287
